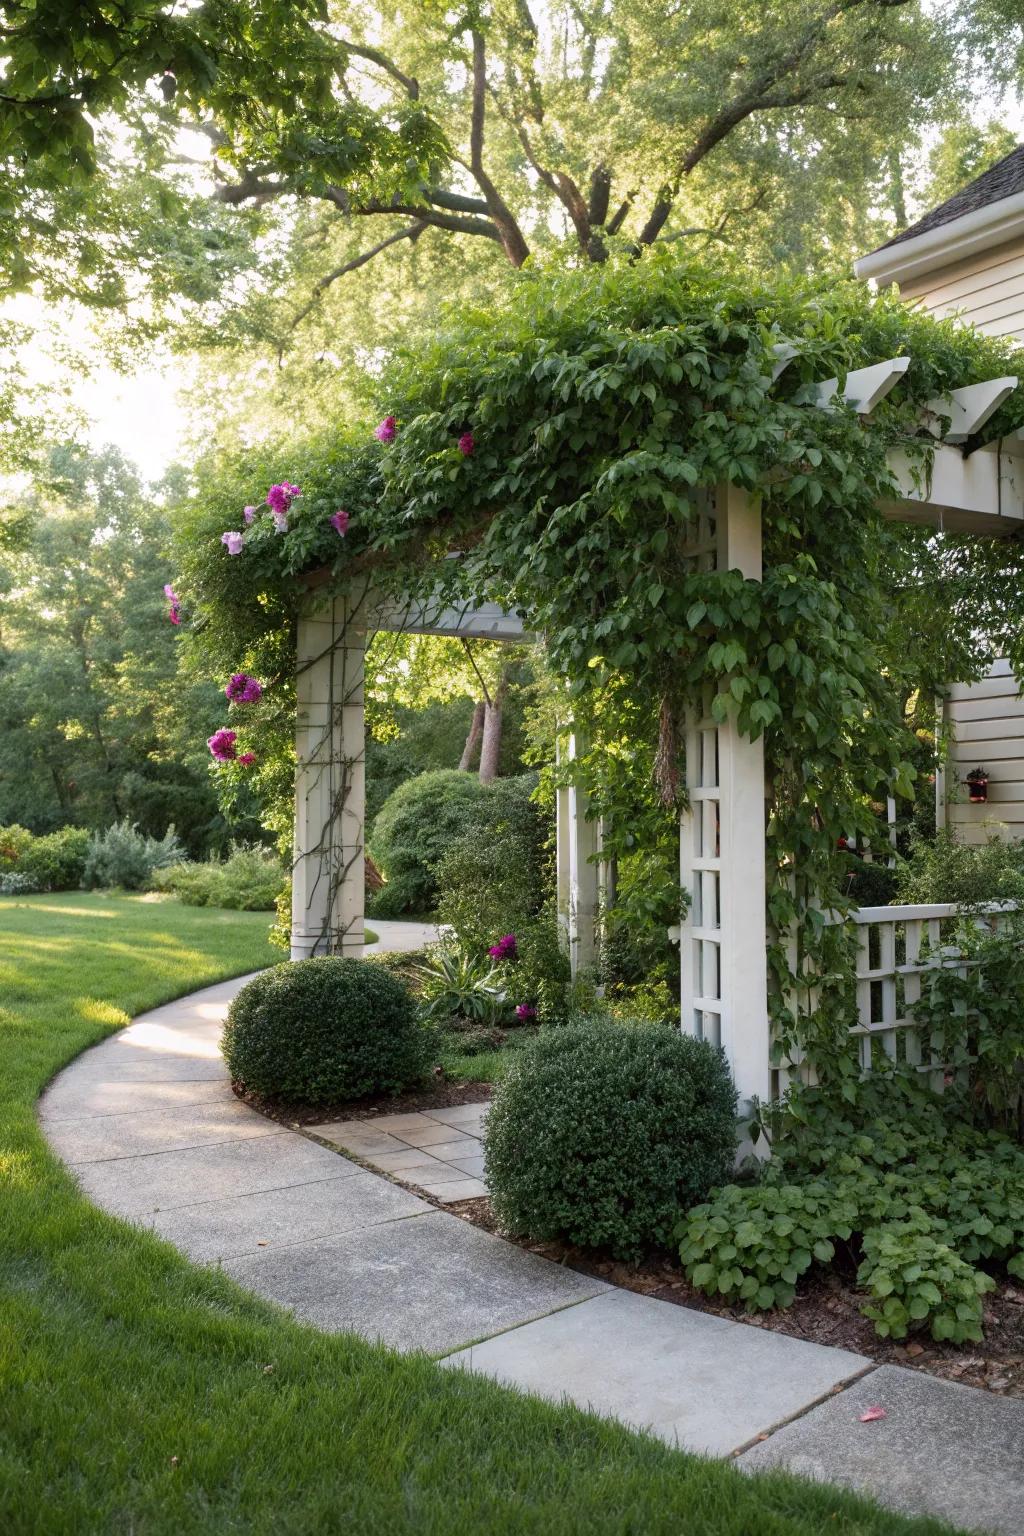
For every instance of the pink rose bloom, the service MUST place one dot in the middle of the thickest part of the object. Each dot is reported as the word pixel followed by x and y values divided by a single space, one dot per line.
pixel 233 542
pixel 280 497
pixel 222 744
pixel 247 759
pixel 243 689
pixel 248 513
pixel 339 522
pixel 386 431
pixel 466 444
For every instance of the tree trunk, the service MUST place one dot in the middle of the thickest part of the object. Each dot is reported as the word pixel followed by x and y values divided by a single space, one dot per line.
pixel 476 730
pixel 490 750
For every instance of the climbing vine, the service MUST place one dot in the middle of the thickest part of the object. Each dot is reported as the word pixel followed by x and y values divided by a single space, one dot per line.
pixel 553 454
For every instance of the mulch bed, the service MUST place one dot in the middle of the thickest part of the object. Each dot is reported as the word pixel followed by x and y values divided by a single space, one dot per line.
pixel 441 1094
pixel 826 1309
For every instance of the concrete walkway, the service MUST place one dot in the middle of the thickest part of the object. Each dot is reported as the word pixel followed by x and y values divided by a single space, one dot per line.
pixel 149 1124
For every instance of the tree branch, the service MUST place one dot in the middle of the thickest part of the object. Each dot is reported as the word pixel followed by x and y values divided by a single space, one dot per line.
pixel 454 223
pixel 511 236
pixel 412 232
pixel 375 56
pixel 762 94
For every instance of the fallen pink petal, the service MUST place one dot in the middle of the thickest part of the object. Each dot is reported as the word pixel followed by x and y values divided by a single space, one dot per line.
pixel 871 1414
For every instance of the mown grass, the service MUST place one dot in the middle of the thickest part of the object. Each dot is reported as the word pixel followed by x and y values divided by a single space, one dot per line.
pixel 140 1396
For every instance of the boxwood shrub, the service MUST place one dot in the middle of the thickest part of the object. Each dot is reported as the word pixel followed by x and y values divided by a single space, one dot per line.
pixel 602 1135
pixel 325 1030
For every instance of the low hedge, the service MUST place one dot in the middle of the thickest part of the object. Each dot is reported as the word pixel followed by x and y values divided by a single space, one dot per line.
pixel 323 1031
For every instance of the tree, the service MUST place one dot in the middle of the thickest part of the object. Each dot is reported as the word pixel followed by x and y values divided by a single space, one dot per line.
pixel 598 124
pixel 614 120
pixel 94 722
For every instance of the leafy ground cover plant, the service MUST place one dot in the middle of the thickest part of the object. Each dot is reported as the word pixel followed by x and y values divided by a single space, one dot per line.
pixel 455 984
pixel 903 1187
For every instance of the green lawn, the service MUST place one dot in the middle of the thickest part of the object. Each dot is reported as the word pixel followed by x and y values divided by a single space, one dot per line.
pixel 140 1395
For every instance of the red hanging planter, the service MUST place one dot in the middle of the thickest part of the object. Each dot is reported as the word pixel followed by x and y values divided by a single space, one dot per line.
pixel 977 786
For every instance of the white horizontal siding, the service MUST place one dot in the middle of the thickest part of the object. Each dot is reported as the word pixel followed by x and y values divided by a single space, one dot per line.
pixel 986 725
pixel 986 290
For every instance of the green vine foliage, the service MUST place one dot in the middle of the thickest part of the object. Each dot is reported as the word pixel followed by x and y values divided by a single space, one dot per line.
pixel 603 405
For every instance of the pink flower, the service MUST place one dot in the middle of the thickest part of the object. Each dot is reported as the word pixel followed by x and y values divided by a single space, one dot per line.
pixel 466 444
pixel 243 689
pixel 247 759
pixel 526 1011
pixel 339 522
pixel 386 431
pixel 222 744
pixel 280 498
pixel 233 541
pixel 280 521
pixel 248 513
pixel 173 604
pixel 505 949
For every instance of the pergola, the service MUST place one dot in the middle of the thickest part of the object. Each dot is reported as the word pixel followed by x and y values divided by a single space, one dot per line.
pixel 972 486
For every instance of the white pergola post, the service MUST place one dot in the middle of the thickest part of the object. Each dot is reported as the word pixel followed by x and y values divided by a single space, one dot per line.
pixel 330 749
pixel 578 874
pixel 723 949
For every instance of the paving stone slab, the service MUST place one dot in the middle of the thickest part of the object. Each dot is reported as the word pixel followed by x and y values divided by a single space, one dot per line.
pixel 942 1449
pixel 431 1282
pixel 131 1186
pixel 702 1382
pixel 450 1190
pixel 256 1224
pixel 72 1098
pixel 162 1130
pixel 436 1135
pixel 462 1115
pixel 366 1144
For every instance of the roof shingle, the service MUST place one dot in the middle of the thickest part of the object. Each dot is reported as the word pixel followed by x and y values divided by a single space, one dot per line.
pixel 1003 179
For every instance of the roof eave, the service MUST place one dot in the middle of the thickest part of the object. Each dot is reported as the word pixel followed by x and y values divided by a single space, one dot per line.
pixel 978 230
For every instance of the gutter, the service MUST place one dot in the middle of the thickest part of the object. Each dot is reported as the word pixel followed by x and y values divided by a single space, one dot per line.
pixel 979 230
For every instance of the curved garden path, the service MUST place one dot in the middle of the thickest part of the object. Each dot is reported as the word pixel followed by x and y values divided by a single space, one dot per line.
pixel 153 1132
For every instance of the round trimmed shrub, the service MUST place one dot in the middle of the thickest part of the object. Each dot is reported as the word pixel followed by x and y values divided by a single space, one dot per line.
pixel 413 831
pixel 323 1030
pixel 603 1135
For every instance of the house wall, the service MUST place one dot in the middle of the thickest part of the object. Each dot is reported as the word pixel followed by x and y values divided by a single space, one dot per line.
pixel 986 722
pixel 986 289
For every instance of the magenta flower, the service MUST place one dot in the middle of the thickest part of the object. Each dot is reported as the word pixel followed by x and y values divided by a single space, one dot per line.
pixel 243 689
pixel 526 1011
pixel 339 522
pixel 386 431
pixel 280 521
pixel 466 444
pixel 247 759
pixel 173 604
pixel 505 949
pixel 248 514
pixel 222 744
pixel 233 542
pixel 280 498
